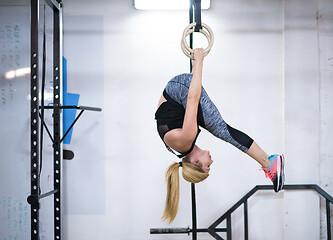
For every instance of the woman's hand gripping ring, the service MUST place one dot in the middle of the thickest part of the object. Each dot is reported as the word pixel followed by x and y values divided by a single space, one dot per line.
pixel 190 29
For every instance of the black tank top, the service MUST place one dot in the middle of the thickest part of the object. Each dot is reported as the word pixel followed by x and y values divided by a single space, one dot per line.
pixel 169 116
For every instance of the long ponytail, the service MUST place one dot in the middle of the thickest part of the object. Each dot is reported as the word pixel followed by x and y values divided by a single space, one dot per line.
pixel 172 198
pixel 191 173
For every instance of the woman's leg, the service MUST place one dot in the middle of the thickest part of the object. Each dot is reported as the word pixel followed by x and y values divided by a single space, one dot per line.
pixel 273 165
pixel 178 87
pixel 219 128
pixel 259 155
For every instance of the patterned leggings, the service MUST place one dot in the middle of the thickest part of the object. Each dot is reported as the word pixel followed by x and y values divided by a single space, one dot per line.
pixel 177 88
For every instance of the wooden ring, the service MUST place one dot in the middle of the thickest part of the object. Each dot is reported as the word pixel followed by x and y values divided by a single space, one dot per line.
pixel 190 29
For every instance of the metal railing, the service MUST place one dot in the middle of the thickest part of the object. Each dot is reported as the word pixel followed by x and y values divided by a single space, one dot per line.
pixel 212 230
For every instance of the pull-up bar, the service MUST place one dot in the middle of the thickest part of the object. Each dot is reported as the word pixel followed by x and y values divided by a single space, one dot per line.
pixel 82 108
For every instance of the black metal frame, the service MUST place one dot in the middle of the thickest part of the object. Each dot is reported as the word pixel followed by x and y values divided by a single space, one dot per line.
pixel 82 108
pixel 36 196
pixel 212 230
pixel 56 118
pixel 227 215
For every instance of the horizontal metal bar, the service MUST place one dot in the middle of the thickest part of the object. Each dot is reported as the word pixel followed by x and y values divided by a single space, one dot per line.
pixel 270 187
pixel 289 187
pixel 169 230
pixel 48 193
pixel 76 107
pixel 53 4
pixel 90 108
pixel 219 230
pixel 182 230
pixel 301 187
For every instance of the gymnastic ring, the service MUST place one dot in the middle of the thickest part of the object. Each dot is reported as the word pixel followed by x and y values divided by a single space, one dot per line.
pixel 190 52
pixel 190 29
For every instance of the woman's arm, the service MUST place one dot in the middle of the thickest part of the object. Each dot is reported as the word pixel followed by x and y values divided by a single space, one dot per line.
pixel 182 140
pixel 190 125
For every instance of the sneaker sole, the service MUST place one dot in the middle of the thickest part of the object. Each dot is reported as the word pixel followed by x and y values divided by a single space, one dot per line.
pixel 282 177
pixel 278 174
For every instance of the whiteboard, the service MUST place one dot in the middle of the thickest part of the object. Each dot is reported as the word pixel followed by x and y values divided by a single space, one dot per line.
pixel 14 120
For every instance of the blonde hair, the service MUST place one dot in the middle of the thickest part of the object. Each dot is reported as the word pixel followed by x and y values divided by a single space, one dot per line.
pixel 191 173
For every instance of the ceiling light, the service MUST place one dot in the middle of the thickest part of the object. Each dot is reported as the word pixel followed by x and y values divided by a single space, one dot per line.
pixel 167 4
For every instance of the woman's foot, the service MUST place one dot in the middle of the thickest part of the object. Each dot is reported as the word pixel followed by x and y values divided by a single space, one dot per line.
pixel 276 171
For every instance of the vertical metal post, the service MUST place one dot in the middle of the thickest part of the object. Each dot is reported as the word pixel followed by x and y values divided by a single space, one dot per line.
pixel 56 123
pixel 246 223
pixel 328 219
pixel 34 124
pixel 194 213
pixel 229 227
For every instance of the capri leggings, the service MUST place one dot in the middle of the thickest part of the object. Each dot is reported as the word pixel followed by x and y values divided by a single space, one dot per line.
pixel 177 89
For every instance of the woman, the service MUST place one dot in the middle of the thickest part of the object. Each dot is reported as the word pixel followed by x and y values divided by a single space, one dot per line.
pixel 183 107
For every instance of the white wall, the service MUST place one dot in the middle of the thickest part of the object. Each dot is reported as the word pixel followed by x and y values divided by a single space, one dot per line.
pixel 308 112
pixel 269 73
pixel 301 116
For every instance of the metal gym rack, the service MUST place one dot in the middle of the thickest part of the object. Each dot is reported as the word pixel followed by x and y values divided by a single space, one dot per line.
pixel 36 196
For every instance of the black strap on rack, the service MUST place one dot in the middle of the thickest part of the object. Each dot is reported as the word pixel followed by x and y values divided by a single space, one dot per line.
pixel 190 14
pixel 197 14
pixel 42 99
pixel 194 15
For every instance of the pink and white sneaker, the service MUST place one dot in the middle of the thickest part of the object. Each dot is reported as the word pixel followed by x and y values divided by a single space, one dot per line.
pixel 276 171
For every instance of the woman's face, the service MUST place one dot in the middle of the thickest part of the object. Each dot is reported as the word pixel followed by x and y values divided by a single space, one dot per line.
pixel 202 158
